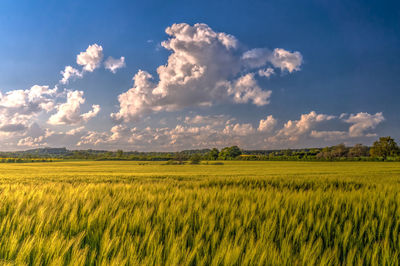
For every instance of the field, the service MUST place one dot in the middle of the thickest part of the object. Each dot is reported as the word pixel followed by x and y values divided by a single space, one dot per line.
pixel 251 213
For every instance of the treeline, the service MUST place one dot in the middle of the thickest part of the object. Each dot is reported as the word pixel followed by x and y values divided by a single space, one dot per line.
pixel 384 149
pixel 27 160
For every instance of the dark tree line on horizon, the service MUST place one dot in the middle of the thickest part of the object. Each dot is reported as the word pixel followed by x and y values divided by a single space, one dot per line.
pixel 384 149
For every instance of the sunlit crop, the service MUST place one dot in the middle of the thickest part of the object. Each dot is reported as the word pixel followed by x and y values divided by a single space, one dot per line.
pixel 251 213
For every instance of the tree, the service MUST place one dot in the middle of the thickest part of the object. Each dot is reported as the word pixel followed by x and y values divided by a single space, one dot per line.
pixel 384 147
pixel 287 153
pixel 180 157
pixel 213 154
pixel 120 153
pixel 358 150
pixel 195 158
pixel 229 153
pixel 339 151
pixel 325 153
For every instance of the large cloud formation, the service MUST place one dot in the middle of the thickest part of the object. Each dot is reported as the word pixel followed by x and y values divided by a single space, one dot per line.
pixel 204 67
pixel 20 110
pixel 201 131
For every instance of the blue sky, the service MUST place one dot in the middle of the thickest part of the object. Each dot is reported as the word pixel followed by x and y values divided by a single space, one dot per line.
pixel 333 74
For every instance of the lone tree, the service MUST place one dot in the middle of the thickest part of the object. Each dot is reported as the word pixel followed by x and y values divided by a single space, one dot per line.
pixel 384 147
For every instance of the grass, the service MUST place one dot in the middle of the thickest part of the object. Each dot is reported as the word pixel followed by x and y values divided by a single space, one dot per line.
pixel 251 213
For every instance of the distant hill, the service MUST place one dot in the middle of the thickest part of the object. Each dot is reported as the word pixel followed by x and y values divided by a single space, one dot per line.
pixel 47 151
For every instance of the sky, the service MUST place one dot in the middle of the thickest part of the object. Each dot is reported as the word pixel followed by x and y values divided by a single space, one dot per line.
pixel 173 75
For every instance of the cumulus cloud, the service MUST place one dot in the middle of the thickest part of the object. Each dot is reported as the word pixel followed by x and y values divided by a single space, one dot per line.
pixel 363 122
pixel 268 72
pixel 68 113
pixel 329 135
pixel 70 72
pixel 278 58
pixel 113 64
pixel 205 131
pixel 35 136
pixel 75 131
pixel 21 110
pixel 137 100
pixel 246 89
pixel 257 57
pixel 204 67
pixel 206 120
pixel 196 132
pixel 19 107
pixel 93 138
pixel 267 125
pixel 293 130
pixel 91 58
pixel 285 60
pixel 32 142
pixel 239 129
pixel 35 99
pixel 42 137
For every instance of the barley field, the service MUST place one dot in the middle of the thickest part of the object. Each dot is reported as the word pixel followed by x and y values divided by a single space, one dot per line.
pixel 238 213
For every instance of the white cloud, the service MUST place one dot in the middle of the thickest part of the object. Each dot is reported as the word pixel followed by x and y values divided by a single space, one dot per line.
pixel 38 137
pixel 75 131
pixel 32 142
pixel 293 130
pixel 363 122
pixel 205 131
pixel 267 125
pixel 206 120
pixel 69 113
pixel 239 129
pixel 19 107
pixel 279 58
pixel 257 57
pixel 92 113
pixel 285 60
pixel 27 101
pixel 329 135
pixel 204 67
pixel 113 64
pixel 137 100
pixel 91 58
pixel 268 72
pixel 68 73
pixel 93 138
pixel 246 89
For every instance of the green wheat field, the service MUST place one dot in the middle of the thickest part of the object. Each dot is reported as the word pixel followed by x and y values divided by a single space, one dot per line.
pixel 238 213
